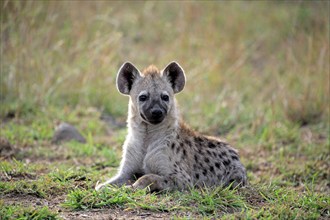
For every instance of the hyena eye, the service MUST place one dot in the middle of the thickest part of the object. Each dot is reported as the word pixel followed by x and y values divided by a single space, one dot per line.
pixel 143 98
pixel 165 97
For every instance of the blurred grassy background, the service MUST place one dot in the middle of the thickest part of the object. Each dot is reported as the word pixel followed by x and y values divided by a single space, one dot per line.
pixel 249 65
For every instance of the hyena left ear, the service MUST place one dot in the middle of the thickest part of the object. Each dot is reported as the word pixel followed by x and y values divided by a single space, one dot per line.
pixel 175 75
pixel 126 76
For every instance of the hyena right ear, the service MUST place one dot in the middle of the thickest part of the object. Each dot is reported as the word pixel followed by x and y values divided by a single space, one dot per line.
pixel 126 76
pixel 175 75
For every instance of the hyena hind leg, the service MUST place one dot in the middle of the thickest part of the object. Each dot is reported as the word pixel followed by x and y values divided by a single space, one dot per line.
pixel 237 180
pixel 154 183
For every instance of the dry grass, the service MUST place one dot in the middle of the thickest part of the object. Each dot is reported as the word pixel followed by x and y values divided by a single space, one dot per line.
pixel 54 53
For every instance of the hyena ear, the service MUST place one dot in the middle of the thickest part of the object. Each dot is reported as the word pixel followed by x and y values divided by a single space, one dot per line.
pixel 175 75
pixel 126 76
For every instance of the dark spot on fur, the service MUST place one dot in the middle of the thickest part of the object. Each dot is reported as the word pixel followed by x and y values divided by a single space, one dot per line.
pixel 204 172
pixel 197 176
pixel 208 152
pixel 226 162
pixel 214 154
pixel 165 181
pixel 187 142
pixel 234 157
pixel 223 153
pixel 172 146
pixel 196 158
pixel 184 152
pixel 220 156
pixel 181 144
pixel 217 165
pixel 198 140
pixel 206 160
pixel 178 150
pixel 211 145
pixel 212 169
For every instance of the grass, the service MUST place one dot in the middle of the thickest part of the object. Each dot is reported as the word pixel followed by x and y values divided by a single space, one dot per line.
pixel 26 213
pixel 209 203
pixel 205 202
pixel 257 75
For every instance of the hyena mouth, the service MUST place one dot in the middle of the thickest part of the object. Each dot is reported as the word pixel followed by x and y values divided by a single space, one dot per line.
pixel 153 119
pixel 156 121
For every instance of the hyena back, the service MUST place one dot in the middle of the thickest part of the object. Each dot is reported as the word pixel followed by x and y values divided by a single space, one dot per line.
pixel 160 151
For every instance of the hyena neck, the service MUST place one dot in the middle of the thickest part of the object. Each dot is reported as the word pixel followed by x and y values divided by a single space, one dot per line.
pixel 139 128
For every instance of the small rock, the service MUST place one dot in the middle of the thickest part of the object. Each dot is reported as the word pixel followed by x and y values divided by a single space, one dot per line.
pixel 66 132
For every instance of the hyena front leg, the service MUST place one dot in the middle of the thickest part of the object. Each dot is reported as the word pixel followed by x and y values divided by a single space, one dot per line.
pixel 130 166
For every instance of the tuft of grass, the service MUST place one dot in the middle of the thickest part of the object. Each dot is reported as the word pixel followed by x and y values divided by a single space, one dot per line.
pixel 225 203
pixel 87 199
pixel 10 212
pixel 273 202
pixel 63 175
pixel 285 203
pixel 17 169
pixel 42 187
pixel 213 201
pixel 207 202
pixel 35 128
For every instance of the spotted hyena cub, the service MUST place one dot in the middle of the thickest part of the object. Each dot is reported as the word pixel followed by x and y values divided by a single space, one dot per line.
pixel 160 151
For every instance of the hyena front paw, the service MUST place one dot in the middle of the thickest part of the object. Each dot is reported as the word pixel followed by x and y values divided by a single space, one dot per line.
pixel 116 181
pixel 153 183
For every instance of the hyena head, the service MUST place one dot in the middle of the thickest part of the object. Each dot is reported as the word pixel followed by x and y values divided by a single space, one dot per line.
pixel 152 91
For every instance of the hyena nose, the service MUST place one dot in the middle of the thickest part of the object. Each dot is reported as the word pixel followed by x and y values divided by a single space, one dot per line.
pixel 156 113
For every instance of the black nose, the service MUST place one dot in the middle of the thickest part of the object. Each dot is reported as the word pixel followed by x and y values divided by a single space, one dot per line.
pixel 156 113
